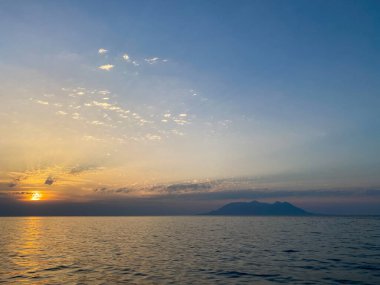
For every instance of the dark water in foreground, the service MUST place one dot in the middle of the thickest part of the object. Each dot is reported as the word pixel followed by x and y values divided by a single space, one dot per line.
pixel 190 250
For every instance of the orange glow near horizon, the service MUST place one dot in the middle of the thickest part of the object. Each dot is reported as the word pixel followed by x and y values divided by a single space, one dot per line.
pixel 36 196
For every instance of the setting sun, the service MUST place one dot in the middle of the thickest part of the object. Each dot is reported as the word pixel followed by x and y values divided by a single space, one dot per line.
pixel 36 196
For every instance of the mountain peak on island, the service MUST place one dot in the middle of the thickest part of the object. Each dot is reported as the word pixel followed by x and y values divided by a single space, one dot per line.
pixel 256 208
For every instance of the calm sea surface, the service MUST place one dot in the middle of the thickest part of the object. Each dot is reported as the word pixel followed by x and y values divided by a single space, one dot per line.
pixel 190 250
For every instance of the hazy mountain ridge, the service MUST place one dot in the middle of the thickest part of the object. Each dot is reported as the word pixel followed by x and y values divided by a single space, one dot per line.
pixel 256 208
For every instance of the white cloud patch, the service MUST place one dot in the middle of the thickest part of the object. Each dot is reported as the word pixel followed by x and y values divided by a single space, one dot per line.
pixel 42 102
pixel 180 122
pixel 126 57
pixel 101 104
pixel 102 51
pixel 98 123
pixel 178 133
pixel 104 92
pixel 193 93
pixel 152 137
pixel 91 138
pixel 75 116
pixel 106 67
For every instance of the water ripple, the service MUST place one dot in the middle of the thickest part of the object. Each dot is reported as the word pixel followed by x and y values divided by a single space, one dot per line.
pixel 190 250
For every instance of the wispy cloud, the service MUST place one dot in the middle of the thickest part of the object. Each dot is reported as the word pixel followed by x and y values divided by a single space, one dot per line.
pixel 188 187
pixel 152 60
pixel 105 190
pixel 237 189
pixel 83 168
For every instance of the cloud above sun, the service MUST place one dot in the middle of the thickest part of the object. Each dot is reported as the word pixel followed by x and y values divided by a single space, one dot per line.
pixel 85 136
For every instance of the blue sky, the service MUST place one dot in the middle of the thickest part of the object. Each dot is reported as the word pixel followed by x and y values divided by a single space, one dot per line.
pixel 281 93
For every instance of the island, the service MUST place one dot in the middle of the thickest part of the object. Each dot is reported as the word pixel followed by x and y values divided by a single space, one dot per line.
pixel 256 208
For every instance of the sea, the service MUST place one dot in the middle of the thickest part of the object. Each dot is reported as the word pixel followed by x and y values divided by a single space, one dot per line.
pixel 190 250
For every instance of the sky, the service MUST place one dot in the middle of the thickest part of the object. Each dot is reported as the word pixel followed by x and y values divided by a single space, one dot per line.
pixel 178 107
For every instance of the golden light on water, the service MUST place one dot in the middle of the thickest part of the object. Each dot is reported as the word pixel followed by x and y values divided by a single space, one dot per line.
pixel 36 196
